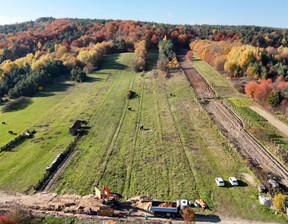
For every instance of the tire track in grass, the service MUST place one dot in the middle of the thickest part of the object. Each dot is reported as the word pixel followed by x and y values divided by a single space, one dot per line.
pixel 90 120
pixel 161 130
pixel 183 151
pixel 62 166
pixel 115 135
pixel 129 168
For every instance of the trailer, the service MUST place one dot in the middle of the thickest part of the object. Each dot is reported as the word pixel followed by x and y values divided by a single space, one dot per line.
pixel 168 208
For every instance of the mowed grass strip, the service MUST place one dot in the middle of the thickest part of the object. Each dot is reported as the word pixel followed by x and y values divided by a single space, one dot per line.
pixel 219 84
pixel 50 114
pixel 88 164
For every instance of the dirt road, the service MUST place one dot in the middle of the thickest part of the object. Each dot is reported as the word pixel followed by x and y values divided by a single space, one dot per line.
pixel 231 126
pixel 198 83
pixel 274 121
pixel 50 204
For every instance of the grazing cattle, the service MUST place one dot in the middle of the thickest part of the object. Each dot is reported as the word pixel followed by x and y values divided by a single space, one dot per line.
pixel 129 108
pixel 10 132
pixel 142 127
pixel 3 122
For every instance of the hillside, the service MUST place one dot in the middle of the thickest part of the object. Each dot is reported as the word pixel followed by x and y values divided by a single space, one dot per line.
pixel 155 121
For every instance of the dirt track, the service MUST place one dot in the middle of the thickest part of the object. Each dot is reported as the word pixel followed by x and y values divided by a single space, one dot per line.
pixel 51 204
pixel 231 126
pixel 274 121
pixel 199 84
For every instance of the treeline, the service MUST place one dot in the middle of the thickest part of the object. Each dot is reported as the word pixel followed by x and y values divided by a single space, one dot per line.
pixel 243 60
pixel 27 75
pixel 139 62
pixel 19 39
pixel 267 66
pixel 269 92
pixel 23 81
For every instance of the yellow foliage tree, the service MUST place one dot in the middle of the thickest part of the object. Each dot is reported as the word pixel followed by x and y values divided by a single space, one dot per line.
pixel 7 66
pixel 278 202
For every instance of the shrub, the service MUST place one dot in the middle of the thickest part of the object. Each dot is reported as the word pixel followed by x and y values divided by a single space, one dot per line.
pixel 274 98
pixel 128 94
pixel 15 104
pixel 189 55
pixel 162 63
pixel 78 75
pixel 188 215
pixel 278 202
pixel 5 219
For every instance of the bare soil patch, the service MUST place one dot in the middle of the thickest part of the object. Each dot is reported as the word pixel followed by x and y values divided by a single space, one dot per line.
pixel 198 83
pixel 232 128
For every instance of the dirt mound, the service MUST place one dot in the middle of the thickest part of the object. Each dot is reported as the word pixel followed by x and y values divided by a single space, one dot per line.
pixel 51 202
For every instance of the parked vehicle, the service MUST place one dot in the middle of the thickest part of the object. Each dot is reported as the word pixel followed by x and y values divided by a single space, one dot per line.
pixel 169 208
pixel 233 181
pixel 219 182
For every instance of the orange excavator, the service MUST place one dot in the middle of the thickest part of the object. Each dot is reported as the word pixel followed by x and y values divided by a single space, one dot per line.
pixel 107 197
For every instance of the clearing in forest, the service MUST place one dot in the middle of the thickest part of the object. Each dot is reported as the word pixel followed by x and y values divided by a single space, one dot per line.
pixel 160 143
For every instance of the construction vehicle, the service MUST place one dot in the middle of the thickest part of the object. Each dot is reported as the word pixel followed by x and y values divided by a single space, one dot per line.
pixel 168 208
pixel 108 198
pixel 200 203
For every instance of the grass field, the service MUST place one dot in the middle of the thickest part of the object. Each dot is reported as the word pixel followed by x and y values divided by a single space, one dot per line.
pixel 50 114
pixel 241 103
pixel 220 85
pixel 177 153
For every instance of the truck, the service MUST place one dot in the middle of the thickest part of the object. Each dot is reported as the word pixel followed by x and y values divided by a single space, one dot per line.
pixel 168 208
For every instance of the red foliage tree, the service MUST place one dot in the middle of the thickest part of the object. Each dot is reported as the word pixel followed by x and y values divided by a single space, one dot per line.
pixel 189 55
pixel 250 88
pixel 262 91
pixel 5 219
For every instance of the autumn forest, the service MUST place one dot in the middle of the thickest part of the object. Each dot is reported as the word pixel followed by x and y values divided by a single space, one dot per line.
pixel 33 54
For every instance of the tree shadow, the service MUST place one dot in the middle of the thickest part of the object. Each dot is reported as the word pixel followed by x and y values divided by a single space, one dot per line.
pixel 181 51
pixel 151 60
pixel 92 79
pixel 59 87
pixel 110 62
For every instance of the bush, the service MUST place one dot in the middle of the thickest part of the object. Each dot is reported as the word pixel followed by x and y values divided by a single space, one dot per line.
pixel 162 63
pixel 15 104
pixel 128 94
pixel 78 75
pixel 188 215
pixel 274 99
pixel 189 55
pixel 278 202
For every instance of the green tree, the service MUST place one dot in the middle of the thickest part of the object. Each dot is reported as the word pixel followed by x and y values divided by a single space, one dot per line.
pixel 274 98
